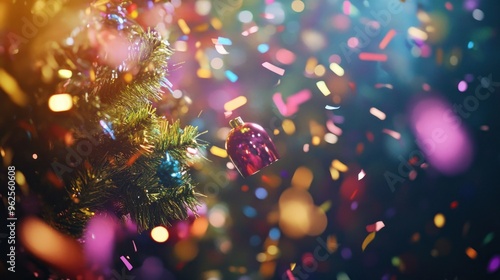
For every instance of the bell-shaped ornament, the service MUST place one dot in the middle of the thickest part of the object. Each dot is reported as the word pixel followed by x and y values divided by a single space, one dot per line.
pixel 249 147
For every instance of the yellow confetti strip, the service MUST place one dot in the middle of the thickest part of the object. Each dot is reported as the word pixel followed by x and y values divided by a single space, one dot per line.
pixel 339 166
pixel 60 102
pixel 337 69
pixel 235 103
pixel 183 26
pixel 417 33
pixel 64 73
pixel 216 151
pixel 323 88
pixel 369 238
pixel 10 86
pixel 334 173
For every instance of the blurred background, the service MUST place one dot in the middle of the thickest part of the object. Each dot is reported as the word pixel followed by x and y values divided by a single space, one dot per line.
pixel 385 115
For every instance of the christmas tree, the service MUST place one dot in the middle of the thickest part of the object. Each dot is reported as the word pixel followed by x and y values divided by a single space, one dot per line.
pixel 80 83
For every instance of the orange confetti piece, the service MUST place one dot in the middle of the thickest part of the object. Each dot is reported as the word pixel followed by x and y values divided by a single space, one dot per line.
pixel 471 253
pixel 387 39
pixel 369 238
pixel 373 56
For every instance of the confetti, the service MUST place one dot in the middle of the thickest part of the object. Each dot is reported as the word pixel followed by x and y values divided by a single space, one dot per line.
pixel 337 69
pixel 216 151
pixel 417 33
pixel 471 253
pixel 369 238
pixel 60 102
pixel 220 49
pixel 487 239
pixel 389 86
pixel 347 7
pixel 387 39
pixel 439 220
pixel 231 76
pixel 339 166
pixel 330 125
pixel 328 107
pixel 250 30
pixel 274 68
pixel 372 56
pixel 375 227
pixel 392 133
pixel 377 113
pixel 183 26
pixel 126 262
pixel 223 41
pixel 323 88
pixel 361 174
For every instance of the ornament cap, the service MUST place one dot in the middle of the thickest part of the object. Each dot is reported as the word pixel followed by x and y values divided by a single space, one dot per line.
pixel 234 123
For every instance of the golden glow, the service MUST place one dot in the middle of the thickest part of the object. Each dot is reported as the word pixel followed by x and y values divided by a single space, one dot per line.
pixel 60 102
pixel 159 234
pixel 439 220
pixel 288 126
pixel 298 6
pixel 64 73
pixel 216 151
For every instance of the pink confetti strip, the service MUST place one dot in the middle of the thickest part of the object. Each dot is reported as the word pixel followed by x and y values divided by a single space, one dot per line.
pixel 330 125
pixel 228 114
pixel 126 262
pixel 292 102
pixel 347 7
pixel 280 104
pixel 329 107
pixel 375 227
pixel 290 275
pixel 135 247
pixel 373 56
pixel 387 39
pixel 274 68
pixel 361 174
pixel 267 16
pixel 392 133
